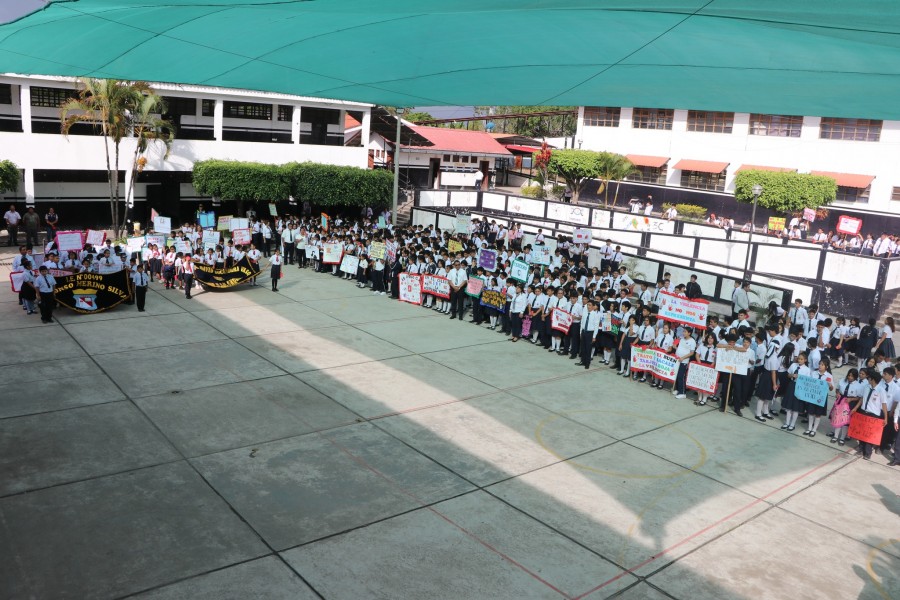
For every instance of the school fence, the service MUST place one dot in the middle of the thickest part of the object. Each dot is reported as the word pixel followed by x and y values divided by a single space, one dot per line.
pixel 841 283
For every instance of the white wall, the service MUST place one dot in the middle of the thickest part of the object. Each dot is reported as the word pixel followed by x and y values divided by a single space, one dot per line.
pixel 806 153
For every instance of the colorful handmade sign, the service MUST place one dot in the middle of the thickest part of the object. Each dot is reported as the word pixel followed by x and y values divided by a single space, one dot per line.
pixel 69 241
pixel 411 288
pixel 162 224
pixel 519 271
pixel 702 378
pixel 865 428
pixel 811 390
pixel 436 286
pixel 241 236
pixel 560 320
pixel 849 225
pixel 487 260
pixel 493 299
pixel 582 236
pixel 474 286
pixel 350 264
pixel 331 253
pixel 378 250
pixel 682 310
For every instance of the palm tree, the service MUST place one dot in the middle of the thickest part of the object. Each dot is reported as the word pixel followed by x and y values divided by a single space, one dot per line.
pixel 613 167
pixel 147 127
pixel 114 108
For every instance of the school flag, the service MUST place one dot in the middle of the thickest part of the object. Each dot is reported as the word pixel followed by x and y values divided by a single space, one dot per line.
pixel 493 299
pixel 474 286
pixel 350 264
pixel 88 293
pixel 436 286
pixel 682 310
pixel 865 428
pixel 560 320
pixel 331 253
pixel 487 259
pixel 702 378
pixel 212 278
pixel 411 288
pixel 519 271
pixel 812 390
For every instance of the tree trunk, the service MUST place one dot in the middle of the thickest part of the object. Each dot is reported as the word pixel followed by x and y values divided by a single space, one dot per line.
pixel 616 196
pixel 112 194
pixel 116 229
pixel 606 193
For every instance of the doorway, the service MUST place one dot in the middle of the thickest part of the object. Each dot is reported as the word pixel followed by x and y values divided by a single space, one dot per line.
pixel 485 169
pixel 434 173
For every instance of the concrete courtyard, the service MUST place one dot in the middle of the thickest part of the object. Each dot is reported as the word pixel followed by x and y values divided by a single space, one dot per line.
pixel 323 442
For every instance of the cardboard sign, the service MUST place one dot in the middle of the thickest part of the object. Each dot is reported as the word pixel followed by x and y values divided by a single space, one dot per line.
pixel 732 361
pixel 378 250
pixel 88 293
pixel 519 271
pixel 95 238
pixel 69 240
pixel 849 225
pixel 224 223
pixel 474 286
pixel 865 428
pixel 211 237
pixel 809 214
pixel 241 236
pixel 382 224
pixel 560 320
pixel 812 390
pixel 487 260
pixel 325 221
pixel 154 240
pixel 702 378
pixel 493 299
pixel 454 246
pixel 273 210
pixel 331 253
pixel 776 223
pixel 642 359
pixel 312 252
pixel 350 264
pixel 436 286
pixel 182 246
pixel 665 366
pixel 162 224
pixel 582 236
pixel 540 255
pixel 206 219
pixel 134 244
pixel 681 310
pixel 411 288
pixel 238 223
pixel 462 223
pixel 221 279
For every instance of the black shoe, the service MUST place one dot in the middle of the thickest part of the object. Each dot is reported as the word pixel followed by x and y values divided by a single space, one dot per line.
pixel 760 419
pixel 579 364
pixel 738 412
pixel 894 463
pixel 587 366
pixel 452 317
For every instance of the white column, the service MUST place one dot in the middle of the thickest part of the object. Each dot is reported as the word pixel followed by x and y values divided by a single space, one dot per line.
pixel 28 183
pixel 218 119
pixel 25 106
pixel 366 125
pixel 295 125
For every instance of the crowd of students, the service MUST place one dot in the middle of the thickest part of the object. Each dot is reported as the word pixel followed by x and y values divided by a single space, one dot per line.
pixel 611 314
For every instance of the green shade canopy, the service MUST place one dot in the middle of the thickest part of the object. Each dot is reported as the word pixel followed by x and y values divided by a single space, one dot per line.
pixel 797 57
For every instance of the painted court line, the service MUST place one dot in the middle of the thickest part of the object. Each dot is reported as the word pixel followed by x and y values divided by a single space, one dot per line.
pixel 631 570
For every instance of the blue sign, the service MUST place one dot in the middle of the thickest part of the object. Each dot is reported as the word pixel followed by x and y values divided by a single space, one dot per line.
pixel 812 390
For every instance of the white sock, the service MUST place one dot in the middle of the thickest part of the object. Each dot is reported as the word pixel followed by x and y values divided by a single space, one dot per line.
pixel 760 404
pixel 792 418
pixel 607 354
pixel 814 423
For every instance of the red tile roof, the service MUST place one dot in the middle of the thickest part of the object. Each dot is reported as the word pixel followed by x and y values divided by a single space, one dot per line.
pixel 459 140
pixel 848 179
pixel 350 122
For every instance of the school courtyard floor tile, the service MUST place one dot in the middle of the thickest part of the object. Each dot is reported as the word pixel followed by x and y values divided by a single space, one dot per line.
pixel 326 442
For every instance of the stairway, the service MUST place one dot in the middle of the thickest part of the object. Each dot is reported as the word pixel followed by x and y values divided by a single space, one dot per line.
pixel 891 305
pixel 404 212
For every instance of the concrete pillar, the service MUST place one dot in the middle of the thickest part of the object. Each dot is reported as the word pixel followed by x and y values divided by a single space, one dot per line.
pixel 218 119
pixel 366 126
pixel 25 106
pixel 295 125
pixel 28 184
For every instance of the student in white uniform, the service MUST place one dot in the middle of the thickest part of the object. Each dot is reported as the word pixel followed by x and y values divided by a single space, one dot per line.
pixel 275 262
pixel 685 350
pixel 46 289
pixel 873 404
pixel 253 255
pixel 141 281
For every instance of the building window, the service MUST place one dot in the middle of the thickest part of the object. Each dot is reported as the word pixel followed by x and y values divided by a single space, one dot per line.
pixel 895 194
pixel 860 130
pixel 50 97
pixel 652 118
pixel 248 110
pixel 446 158
pixel 285 113
pixel 854 194
pixel 655 175
pixel 709 121
pixel 703 181
pixel 602 116
pixel 5 93
pixel 208 108
pixel 776 125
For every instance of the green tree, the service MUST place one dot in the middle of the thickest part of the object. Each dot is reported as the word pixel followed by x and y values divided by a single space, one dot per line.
pixel 417 116
pixel 562 125
pixel 541 162
pixel 9 176
pixel 785 192
pixel 110 105
pixel 577 167
pixel 613 167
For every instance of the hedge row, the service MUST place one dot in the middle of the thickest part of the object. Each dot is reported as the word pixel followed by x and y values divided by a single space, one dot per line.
pixel 321 185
